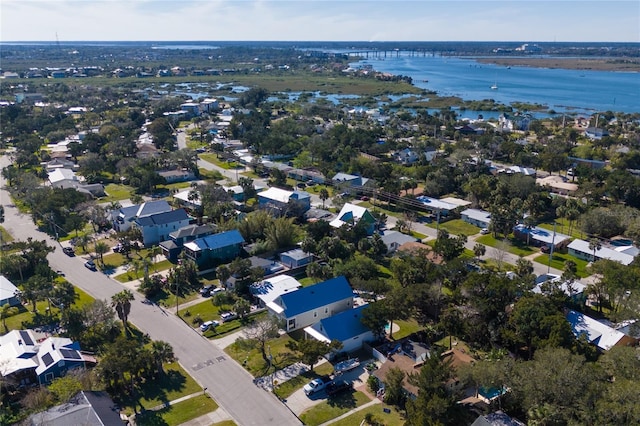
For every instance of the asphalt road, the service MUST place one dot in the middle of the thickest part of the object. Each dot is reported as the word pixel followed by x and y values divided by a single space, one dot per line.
pixel 226 381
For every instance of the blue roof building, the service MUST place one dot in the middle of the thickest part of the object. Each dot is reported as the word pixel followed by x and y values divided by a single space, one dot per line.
pixel 309 305
pixel 345 327
pixel 216 247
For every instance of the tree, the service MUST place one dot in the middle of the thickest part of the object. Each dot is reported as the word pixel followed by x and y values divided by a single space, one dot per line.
pixel 324 195
pixel 394 393
pixel 121 302
pixel 101 248
pixel 257 334
pixel 223 273
pixel 312 350
pixel 449 248
pixel 242 307
pixel 161 352
pixel 594 245
pixel 479 250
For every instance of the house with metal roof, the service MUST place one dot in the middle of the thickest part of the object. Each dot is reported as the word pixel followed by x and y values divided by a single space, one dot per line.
pixel 124 217
pixel 157 227
pixel 476 217
pixel 308 305
pixel 623 254
pixel 283 202
pixel 267 290
pixel 172 247
pixel 9 293
pixel 214 248
pixel 295 258
pixel 345 327
pixel 352 214
pixel 86 408
pixel 541 237
pixel 597 333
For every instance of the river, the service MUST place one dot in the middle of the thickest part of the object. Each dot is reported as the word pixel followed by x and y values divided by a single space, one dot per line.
pixel 562 90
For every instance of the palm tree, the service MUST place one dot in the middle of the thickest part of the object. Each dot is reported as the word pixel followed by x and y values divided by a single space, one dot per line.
pixel 162 352
pixel 595 245
pixel 101 248
pixel 324 195
pixel 121 302
pixel 479 250
pixel 82 241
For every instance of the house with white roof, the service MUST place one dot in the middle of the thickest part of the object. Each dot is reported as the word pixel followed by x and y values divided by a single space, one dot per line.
pixel 476 217
pixel 573 289
pixel 624 254
pixel 352 214
pixel 63 178
pixel 9 293
pixel 284 202
pixel 266 291
pixel 188 198
pixel 345 327
pixel 597 333
pixel 436 205
pixel 540 237
pixel 308 305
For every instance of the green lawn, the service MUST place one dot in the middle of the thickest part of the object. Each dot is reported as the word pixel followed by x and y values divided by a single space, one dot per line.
pixel 457 227
pixel 307 281
pixel 116 192
pixel 333 408
pixel 175 384
pixel 562 226
pixel 393 418
pixel 558 259
pixel 210 175
pixel 131 275
pixel 406 328
pixel 225 423
pixel 510 245
pixel 179 413
pixel 418 235
pixel 5 236
pixel 254 364
pixel 287 388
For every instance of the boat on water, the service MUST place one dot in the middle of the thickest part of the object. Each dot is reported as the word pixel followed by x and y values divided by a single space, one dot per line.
pixel 494 86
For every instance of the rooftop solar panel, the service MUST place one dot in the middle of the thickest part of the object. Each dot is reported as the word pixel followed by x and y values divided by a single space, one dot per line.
pixel 47 359
pixel 70 354
pixel 26 338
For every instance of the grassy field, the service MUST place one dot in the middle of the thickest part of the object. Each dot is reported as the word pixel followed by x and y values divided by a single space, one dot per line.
pixel 5 236
pixel 406 328
pixel 510 245
pixel 131 275
pixel 457 227
pixel 393 418
pixel 252 359
pixel 333 408
pixel 179 413
pixel 558 259
pixel 562 226
pixel 116 192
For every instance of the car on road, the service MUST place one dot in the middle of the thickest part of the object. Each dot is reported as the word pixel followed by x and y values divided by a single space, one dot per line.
pixel 228 316
pixel 364 198
pixel 68 251
pixel 337 387
pixel 484 231
pixel 208 324
pixel 90 264
pixel 316 385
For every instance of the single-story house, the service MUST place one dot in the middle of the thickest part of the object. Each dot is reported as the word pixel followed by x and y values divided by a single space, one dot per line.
pixel 557 185
pixel 573 289
pixel 352 214
pixel 60 163
pixel 597 333
pixel 580 249
pixel 124 217
pixel 236 191
pixel 295 258
pixel 394 239
pixel 308 305
pixel 26 361
pixel 188 198
pixel 269 289
pixel 345 327
pixel 63 178
pixel 9 293
pixel 216 247
pixel 284 202
pixel 86 408
pixel 406 355
pixel 157 227
pixel 172 247
pixel 436 205
pixel 476 217
pixel 270 267
pixel 173 176
pixel 540 237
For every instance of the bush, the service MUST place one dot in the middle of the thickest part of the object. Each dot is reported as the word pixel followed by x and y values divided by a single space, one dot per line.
pixel 197 320
pixel 372 383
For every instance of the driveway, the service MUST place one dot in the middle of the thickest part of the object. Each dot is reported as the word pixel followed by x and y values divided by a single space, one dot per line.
pixel 226 381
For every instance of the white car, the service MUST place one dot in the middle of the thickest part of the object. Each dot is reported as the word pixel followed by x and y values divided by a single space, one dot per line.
pixel 228 316
pixel 208 324
pixel 316 385
pixel 484 231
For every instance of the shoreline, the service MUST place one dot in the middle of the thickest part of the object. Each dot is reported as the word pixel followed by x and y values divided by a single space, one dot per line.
pixel 585 64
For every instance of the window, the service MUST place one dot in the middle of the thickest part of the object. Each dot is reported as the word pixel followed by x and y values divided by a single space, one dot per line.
pixel 48 377
pixel 292 323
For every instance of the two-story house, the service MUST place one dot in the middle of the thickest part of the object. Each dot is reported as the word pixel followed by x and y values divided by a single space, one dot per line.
pixel 157 227
pixel 172 247
pixel 124 217
pixel 283 202
pixel 308 305
pixel 216 247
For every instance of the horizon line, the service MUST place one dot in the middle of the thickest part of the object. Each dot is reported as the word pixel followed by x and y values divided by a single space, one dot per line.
pixel 314 41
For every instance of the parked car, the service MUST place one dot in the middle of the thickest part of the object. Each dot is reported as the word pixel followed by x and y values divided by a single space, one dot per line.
pixel 316 385
pixel 68 251
pixel 484 231
pixel 228 316
pixel 364 198
pixel 206 290
pixel 545 249
pixel 216 290
pixel 117 248
pixel 337 387
pixel 208 324
pixel 90 264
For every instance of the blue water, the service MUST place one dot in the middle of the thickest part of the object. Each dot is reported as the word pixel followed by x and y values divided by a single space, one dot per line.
pixel 558 89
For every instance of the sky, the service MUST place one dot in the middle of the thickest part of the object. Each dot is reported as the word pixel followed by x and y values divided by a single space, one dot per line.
pixel 320 20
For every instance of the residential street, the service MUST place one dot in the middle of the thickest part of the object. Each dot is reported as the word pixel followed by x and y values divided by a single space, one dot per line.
pixel 226 381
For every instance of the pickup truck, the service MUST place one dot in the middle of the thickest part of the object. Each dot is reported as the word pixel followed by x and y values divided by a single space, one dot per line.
pixel 316 385
pixel 337 386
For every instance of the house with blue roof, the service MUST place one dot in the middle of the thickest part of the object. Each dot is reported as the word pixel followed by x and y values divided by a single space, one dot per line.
pixel 345 327
pixel 157 227
pixel 172 247
pixel 308 305
pixel 214 248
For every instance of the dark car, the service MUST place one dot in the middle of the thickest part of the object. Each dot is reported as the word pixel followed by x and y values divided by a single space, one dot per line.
pixel 68 251
pixel 337 386
pixel 90 264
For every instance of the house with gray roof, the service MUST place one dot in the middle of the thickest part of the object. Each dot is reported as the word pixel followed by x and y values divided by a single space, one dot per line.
pixel 124 217
pixel 295 258
pixel 394 239
pixel 157 227
pixel 86 408
pixel 476 217
pixel 308 305
pixel 172 247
